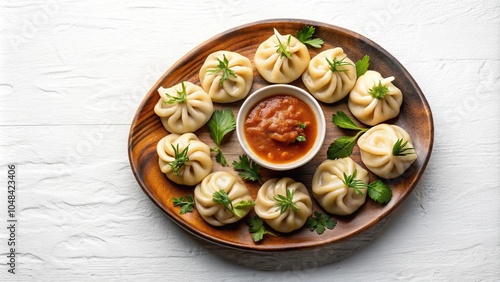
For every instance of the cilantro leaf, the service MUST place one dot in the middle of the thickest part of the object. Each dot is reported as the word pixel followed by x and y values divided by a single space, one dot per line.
pixel 187 205
pixel 379 192
pixel 257 228
pixel 220 123
pixel 304 35
pixel 248 169
pixel 362 65
pixel 320 222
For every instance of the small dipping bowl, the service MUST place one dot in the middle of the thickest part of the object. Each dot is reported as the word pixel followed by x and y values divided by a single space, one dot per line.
pixel 278 90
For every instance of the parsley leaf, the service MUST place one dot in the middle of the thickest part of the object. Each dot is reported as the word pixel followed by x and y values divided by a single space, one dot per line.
pixel 304 35
pixel 187 205
pixel 320 222
pixel 379 192
pixel 248 169
pixel 362 65
pixel 257 228
pixel 221 123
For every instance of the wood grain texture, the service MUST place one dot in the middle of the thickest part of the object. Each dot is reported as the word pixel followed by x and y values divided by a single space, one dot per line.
pixel 415 117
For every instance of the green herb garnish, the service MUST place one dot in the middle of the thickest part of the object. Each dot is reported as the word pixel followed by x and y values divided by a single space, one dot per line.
pixel 304 35
pixel 248 169
pixel 180 98
pixel 180 159
pixel 286 202
pixel 282 49
pixel 257 228
pixel 320 222
pixel 351 182
pixel 300 138
pixel 187 205
pixel 343 146
pixel 362 65
pixel 336 64
pixel 238 210
pixel 221 123
pixel 223 68
pixel 399 148
pixel 378 91
pixel 379 192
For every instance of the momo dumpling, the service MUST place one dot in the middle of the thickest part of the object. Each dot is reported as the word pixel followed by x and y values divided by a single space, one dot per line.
pixel 222 184
pixel 374 99
pixel 387 150
pixel 183 108
pixel 281 58
pixel 226 76
pixel 268 207
pixel 330 189
pixel 184 158
pixel 330 75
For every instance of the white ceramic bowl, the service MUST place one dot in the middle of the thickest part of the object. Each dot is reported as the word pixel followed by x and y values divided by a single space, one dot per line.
pixel 273 90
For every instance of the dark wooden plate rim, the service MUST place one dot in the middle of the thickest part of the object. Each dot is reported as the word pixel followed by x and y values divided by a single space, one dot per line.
pixel 137 132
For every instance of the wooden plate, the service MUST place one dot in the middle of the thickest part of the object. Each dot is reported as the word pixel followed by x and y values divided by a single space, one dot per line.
pixel 146 130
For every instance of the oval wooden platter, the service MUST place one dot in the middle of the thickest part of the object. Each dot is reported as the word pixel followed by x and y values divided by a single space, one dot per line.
pixel 351 231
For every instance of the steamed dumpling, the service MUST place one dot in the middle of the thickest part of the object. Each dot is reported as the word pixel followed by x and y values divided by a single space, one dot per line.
pixel 376 148
pixel 330 75
pixel 266 206
pixel 239 77
pixel 374 99
pixel 215 213
pixel 185 107
pixel 281 67
pixel 332 193
pixel 198 163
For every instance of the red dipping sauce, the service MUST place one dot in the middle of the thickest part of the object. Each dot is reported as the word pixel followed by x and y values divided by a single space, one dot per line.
pixel 281 129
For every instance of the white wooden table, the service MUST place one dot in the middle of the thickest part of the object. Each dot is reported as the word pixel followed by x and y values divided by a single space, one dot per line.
pixel 72 74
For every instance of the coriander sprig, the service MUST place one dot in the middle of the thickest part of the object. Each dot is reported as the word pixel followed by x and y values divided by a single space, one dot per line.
pixel 180 98
pixel 285 202
pixel 343 146
pixel 223 68
pixel 180 158
pixel 220 123
pixel 187 204
pixel 238 209
pixel 248 169
pixel 320 222
pixel 336 64
pixel 257 228
pixel 305 36
pixel 399 149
